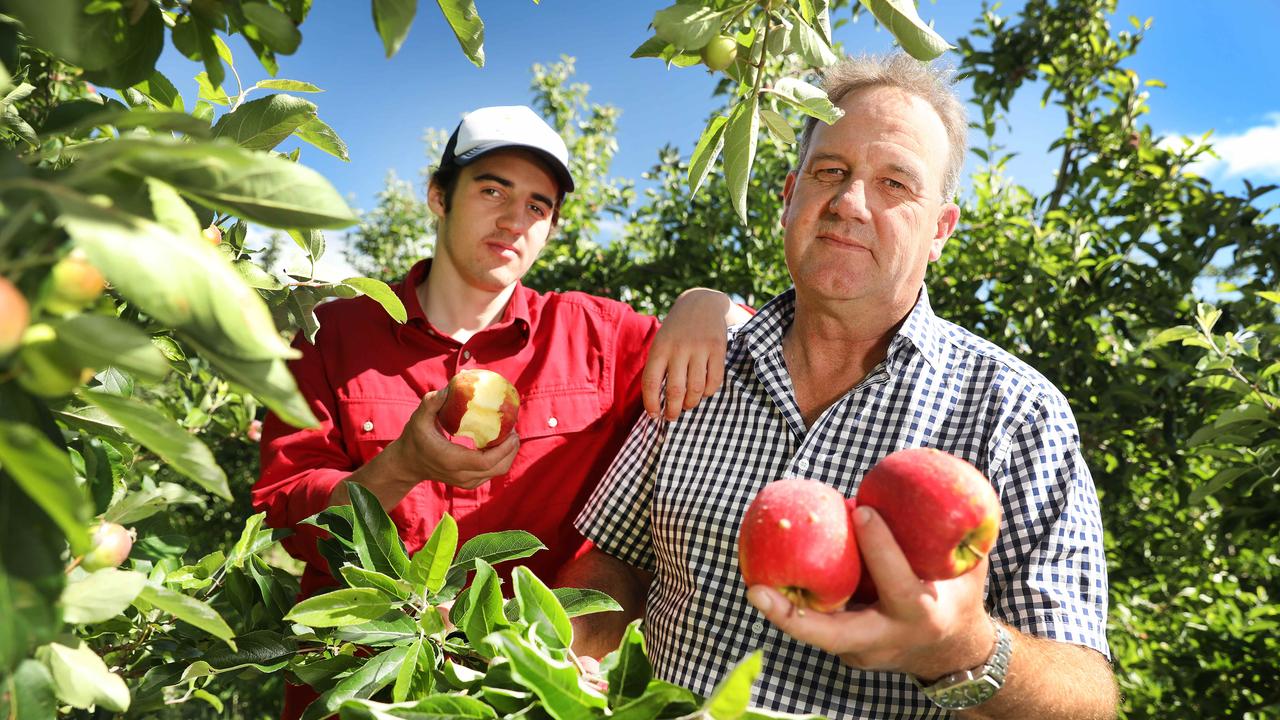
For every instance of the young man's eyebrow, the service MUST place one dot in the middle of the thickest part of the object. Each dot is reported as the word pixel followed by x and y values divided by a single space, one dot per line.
pixel 508 184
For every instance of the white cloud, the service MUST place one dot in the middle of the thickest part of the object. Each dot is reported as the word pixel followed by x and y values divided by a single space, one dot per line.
pixel 1253 154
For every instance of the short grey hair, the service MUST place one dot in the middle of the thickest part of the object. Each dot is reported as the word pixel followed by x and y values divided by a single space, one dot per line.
pixel 929 82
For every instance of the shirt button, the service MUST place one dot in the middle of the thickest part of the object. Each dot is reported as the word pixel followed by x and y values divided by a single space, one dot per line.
pixel 552 422
pixel 466 354
pixel 757 627
pixel 368 426
pixel 803 464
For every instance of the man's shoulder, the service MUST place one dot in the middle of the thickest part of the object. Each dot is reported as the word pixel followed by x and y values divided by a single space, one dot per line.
pixel 988 360
pixel 575 301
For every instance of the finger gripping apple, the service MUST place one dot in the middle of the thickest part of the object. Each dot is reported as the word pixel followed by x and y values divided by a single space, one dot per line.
pixel 796 537
pixel 480 405
pixel 942 511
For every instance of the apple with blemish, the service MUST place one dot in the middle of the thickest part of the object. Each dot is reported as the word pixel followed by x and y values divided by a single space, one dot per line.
pixel 480 405
pixel 797 538
pixel 942 511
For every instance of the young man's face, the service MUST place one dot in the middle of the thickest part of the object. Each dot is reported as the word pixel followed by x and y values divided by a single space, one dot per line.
pixel 498 221
pixel 864 214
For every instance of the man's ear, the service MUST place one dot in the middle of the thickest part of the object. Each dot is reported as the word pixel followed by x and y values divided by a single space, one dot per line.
pixel 948 217
pixel 435 199
pixel 788 188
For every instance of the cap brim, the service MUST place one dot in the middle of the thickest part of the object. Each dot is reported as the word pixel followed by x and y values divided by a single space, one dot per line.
pixel 552 162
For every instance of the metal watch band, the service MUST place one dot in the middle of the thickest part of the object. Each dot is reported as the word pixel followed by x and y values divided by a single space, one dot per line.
pixel 966 689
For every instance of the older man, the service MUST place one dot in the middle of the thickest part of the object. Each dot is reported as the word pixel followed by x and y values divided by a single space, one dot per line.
pixel 831 376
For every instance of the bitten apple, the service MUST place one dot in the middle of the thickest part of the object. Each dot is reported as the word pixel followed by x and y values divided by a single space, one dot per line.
pixel 796 537
pixel 111 546
pixel 942 511
pixel 480 405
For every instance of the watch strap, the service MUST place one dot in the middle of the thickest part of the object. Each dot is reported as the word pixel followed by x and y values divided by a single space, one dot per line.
pixel 969 688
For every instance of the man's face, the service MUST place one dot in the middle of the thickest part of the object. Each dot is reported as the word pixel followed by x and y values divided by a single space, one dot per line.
pixel 498 221
pixel 864 213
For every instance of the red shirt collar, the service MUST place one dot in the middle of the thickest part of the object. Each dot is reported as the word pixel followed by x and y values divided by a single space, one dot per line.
pixel 515 316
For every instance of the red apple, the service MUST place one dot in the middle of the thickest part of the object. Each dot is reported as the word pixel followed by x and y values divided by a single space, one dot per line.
pixel 480 405
pixel 212 235
pixel 111 546
pixel 796 537
pixel 942 511
pixel 15 314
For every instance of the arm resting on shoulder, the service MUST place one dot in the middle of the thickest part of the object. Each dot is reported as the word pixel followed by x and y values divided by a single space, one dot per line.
pixel 598 634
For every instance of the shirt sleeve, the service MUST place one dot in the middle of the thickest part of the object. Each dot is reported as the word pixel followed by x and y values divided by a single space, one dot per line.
pixel 1049 573
pixel 616 517
pixel 302 466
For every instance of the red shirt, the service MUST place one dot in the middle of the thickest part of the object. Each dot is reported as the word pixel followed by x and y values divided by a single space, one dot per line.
pixel 576 360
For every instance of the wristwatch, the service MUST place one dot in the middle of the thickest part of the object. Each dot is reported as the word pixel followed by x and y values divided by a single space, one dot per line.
pixel 968 688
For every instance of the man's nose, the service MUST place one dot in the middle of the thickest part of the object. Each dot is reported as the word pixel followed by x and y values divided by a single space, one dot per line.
pixel 512 219
pixel 850 201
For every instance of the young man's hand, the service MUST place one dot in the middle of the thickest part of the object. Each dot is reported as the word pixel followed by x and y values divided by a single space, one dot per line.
pixel 422 452
pixel 688 352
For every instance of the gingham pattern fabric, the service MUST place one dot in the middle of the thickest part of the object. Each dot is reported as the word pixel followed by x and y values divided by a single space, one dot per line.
pixel 672 501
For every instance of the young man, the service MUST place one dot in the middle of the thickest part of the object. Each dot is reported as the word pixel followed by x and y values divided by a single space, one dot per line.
pixel 830 377
pixel 577 360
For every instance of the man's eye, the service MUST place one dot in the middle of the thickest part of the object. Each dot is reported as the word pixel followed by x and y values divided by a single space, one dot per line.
pixel 831 173
pixel 894 184
pixel 491 192
pixel 538 210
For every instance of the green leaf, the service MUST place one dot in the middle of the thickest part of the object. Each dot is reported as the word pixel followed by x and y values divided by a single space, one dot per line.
pixel 540 608
pixel 705 154
pixel 431 564
pixel 82 680
pixel 161 435
pixel 287 85
pixel 28 693
pixel 653 47
pixel 1173 334
pixel 382 293
pixel 806 98
pixel 811 46
pixel 207 91
pixel 764 714
pixel 348 606
pixel 101 595
pixel 654 702
pixel 900 18
pixel 492 548
pixel 311 241
pixel 688 26
pixel 627 669
pixel 269 381
pixel 374 675
pixel 189 610
pixel 243 549
pixel 416 679
pixel 740 152
pixel 1245 413
pixel 1218 482
pixel 733 693
pixel 482 613
pixel 256 187
pixel 778 126
pixel 436 707
pixel 182 282
pixel 376 538
pixel 1269 296
pixel 161 92
pixel 275 29
pixel 100 341
pixel 391 628
pixel 467 27
pixel 360 577
pixel 555 682
pixel 393 18
pixel 45 474
pixel 264 123
pixel 582 601
pixel 264 650
pixel 323 137
pixel 256 277
pixel 171 211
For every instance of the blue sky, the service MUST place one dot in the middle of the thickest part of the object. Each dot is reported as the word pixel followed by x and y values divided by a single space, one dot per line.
pixel 1220 69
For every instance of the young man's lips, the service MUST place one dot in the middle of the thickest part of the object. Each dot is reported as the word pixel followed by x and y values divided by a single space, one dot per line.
pixel 505 250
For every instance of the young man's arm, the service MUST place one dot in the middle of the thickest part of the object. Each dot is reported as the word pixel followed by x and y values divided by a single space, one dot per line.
pixel 598 634
pixel 688 352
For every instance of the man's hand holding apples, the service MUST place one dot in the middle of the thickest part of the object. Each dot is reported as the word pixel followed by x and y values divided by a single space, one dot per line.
pixel 926 629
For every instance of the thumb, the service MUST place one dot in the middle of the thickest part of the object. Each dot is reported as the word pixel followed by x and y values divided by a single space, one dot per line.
pixel 433 401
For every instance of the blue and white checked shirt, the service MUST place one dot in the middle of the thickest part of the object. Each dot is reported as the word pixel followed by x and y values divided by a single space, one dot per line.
pixel 673 499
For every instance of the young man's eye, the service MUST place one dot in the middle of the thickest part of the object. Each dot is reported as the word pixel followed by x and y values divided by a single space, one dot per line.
pixel 538 210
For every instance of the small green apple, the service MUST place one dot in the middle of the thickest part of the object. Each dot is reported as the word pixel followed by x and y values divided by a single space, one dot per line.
pixel 720 52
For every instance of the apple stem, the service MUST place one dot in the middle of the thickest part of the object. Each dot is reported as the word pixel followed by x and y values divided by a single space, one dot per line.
pixel 74 564
pixel 976 553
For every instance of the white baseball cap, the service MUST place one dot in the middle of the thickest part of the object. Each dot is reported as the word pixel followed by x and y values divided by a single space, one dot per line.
pixel 494 128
